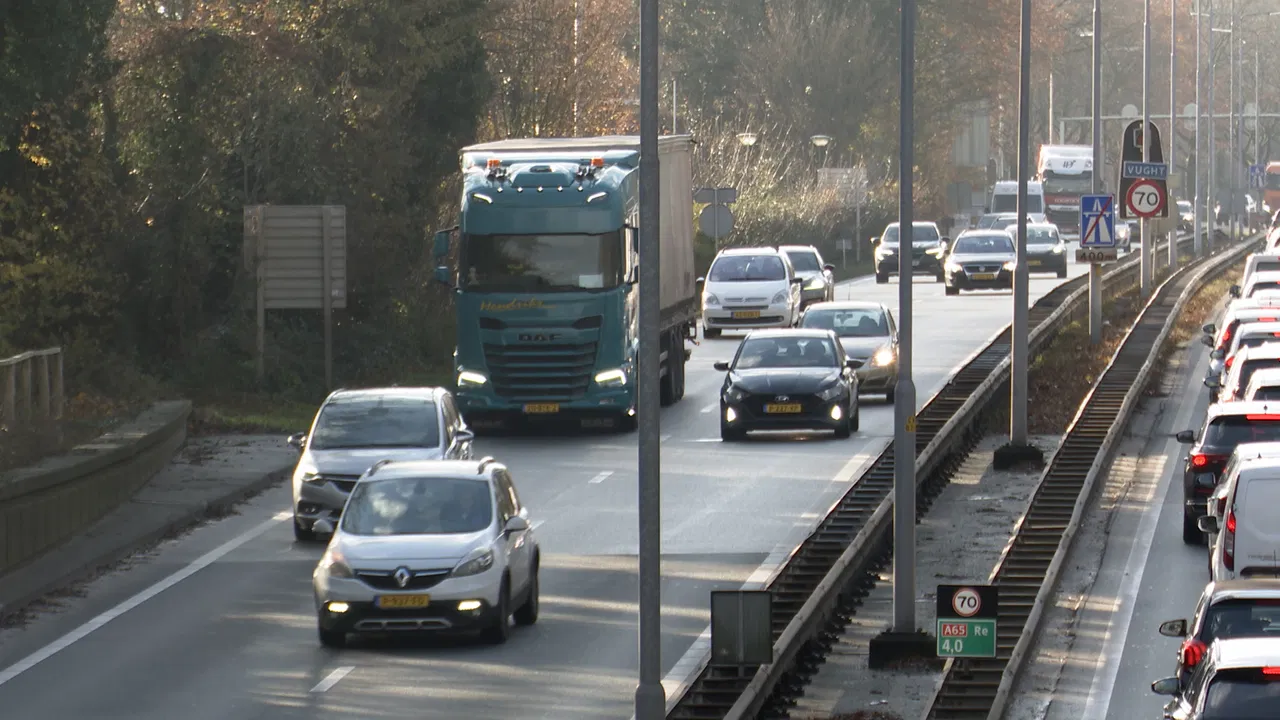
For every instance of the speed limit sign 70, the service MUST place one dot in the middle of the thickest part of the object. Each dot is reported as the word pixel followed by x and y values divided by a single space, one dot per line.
pixel 1146 198
pixel 966 602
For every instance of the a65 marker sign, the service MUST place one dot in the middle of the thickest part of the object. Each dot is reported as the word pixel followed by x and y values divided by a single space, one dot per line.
pixel 1146 198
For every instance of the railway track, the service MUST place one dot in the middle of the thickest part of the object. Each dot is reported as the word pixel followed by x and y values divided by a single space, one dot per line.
pixel 713 694
pixel 972 688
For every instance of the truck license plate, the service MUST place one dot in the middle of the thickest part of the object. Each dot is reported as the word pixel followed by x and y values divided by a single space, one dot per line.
pixel 746 315
pixel 542 408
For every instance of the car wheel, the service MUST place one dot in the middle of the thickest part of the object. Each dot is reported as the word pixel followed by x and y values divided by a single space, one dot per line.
pixel 710 333
pixel 301 534
pixel 940 277
pixel 527 613
pixel 882 278
pixel 500 626
pixel 1062 271
pixel 332 638
pixel 855 418
pixel 728 434
pixel 1191 534
pixel 952 290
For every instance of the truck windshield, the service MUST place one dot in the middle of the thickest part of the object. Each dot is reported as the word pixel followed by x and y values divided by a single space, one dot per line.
pixel 1068 184
pixel 546 263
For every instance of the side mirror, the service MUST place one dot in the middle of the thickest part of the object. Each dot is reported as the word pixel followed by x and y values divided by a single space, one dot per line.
pixel 829 267
pixel 297 440
pixel 852 364
pixel 1207 524
pixel 1218 354
pixel 1206 340
pixel 440 248
pixel 1173 628
pixel 464 435
pixel 1235 291
pixel 442 275
pixel 1210 329
pixel 944 241
pixel 1213 383
pixel 1186 437
pixel 701 281
pixel 322 527
pixel 517 524
pixel 875 239
pixel 722 366
pixel 1165 686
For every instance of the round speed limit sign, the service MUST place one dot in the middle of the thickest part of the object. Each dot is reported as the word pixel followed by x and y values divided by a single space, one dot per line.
pixel 966 602
pixel 1146 198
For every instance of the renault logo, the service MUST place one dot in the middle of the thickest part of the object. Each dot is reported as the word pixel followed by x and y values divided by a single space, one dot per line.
pixel 402 576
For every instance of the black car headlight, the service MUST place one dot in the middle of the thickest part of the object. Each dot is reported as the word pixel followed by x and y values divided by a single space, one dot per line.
pixel 733 395
pixel 831 393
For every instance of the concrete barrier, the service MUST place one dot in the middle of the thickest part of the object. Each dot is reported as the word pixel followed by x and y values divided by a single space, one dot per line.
pixel 48 503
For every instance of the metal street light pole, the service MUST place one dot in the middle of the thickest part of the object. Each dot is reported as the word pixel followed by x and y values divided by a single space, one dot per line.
pixel 651 699
pixel 1095 269
pixel 904 410
pixel 1018 366
pixel 1212 225
pixel 1231 128
pixel 1196 229
pixel 1173 127
pixel 1147 254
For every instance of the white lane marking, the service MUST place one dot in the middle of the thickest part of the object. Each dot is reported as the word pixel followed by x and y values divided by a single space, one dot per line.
pixel 1117 632
pixel 601 477
pixel 84 630
pixel 694 659
pixel 710 408
pixel 332 679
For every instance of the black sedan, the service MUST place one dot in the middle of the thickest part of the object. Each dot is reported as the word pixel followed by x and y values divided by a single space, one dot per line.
pixel 788 379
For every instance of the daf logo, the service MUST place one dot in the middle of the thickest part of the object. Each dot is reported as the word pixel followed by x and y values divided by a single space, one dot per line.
pixel 402 576
pixel 539 337
pixel 783 398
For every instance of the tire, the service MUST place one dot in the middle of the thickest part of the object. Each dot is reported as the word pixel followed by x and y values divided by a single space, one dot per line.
pixel 527 613
pixel 710 333
pixel 890 395
pixel 500 627
pixel 951 290
pixel 728 434
pixel 845 428
pixel 855 419
pixel 940 277
pixel 1062 271
pixel 1191 534
pixel 332 638
pixel 301 535
pixel 882 278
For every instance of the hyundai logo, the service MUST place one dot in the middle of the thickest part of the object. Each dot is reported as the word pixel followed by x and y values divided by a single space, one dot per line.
pixel 783 398
pixel 402 576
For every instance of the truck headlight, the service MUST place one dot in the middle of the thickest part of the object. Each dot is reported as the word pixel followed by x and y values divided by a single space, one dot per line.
pixel 476 562
pixel 467 377
pixel 614 376
pixel 782 297
pixel 709 300
pixel 883 356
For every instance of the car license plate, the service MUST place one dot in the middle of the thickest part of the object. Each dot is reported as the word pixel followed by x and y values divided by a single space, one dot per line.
pixel 984 276
pixel 402 602
pixel 1035 263
pixel 542 408
pixel 746 314
pixel 915 263
pixel 782 408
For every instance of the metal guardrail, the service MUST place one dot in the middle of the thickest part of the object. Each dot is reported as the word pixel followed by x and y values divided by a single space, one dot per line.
pixel 1028 570
pixel 32 388
pixel 853 538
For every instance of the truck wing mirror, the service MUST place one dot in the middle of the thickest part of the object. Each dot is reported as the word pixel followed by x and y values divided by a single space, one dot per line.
pixel 442 276
pixel 440 247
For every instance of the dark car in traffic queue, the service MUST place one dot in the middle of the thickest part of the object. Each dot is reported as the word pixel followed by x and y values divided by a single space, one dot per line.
pixel 818 276
pixel 869 335
pixel 1227 609
pixel 1046 251
pixel 980 260
pixel 788 379
pixel 928 246
pixel 1226 425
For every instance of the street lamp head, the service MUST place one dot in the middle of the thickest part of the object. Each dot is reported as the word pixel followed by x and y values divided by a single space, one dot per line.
pixel 747 138
pixel 820 140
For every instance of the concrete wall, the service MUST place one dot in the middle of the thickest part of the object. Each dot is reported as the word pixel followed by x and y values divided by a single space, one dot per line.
pixel 45 505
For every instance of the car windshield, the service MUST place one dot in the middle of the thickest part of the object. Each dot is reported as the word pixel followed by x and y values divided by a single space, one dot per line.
pixel 786 352
pixel 982 244
pixel 1227 431
pixel 849 322
pixel 747 268
pixel 921 234
pixel 1242 694
pixel 1041 236
pixel 1241 618
pixel 1055 184
pixel 419 506
pixel 376 421
pixel 804 260
pixel 542 263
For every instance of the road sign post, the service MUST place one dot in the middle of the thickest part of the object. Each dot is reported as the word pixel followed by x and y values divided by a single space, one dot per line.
pixel 716 219
pixel 1257 177
pixel 967 618
pixel 1098 230
pixel 1140 155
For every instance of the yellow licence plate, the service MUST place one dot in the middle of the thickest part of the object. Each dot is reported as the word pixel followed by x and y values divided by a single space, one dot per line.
pixel 782 408
pixel 746 314
pixel 1035 263
pixel 984 276
pixel 400 602
pixel 542 408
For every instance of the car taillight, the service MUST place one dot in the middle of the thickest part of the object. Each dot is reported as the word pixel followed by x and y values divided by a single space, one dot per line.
pixel 1192 653
pixel 1199 460
pixel 1229 542
pixel 1230 360
pixel 1271 671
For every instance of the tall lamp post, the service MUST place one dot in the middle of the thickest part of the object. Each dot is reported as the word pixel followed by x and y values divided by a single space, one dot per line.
pixel 821 142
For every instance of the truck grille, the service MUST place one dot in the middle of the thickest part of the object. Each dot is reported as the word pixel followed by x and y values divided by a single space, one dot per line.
pixel 540 371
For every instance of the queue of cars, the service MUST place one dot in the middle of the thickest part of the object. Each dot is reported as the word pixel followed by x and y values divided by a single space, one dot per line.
pixel 1228 664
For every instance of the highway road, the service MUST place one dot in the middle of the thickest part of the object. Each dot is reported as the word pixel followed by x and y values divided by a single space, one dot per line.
pixel 221 623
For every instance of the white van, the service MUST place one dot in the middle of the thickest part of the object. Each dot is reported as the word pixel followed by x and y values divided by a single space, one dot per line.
pixel 1243 455
pixel 749 288
pixel 1248 539
pixel 1004 197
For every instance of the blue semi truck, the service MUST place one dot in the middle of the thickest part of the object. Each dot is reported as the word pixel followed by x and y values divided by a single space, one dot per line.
pixel 546 278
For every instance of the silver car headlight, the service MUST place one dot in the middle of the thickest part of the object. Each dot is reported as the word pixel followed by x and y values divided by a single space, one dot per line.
pixel 1011 265
pixel 782 297
pixel 884 252
pixel 710 300
pixel 335 565
pixel 815 283
pixel 952 265
pixel 884 356
pixel 830 393
pixel 307 474
pixel 476 562
pixel 1059 249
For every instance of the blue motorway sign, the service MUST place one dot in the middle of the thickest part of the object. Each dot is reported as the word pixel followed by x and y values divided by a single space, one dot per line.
pixel 1145 170
pixel 1257 177
pixel 1097 221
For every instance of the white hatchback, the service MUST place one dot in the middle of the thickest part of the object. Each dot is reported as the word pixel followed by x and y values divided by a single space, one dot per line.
pixel 429 546
pixel 749 288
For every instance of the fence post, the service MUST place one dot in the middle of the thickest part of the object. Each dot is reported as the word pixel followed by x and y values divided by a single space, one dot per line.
pixel 59 397
pixel 28 401
pixel 42 374
pixel 11 397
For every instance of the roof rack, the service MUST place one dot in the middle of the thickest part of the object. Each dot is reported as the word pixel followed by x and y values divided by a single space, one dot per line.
pixel 485 462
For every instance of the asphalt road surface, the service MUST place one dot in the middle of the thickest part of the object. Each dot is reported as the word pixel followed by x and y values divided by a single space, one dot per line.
pixel 221 623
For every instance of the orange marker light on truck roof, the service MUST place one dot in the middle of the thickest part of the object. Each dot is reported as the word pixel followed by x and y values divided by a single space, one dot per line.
pixel 494 162
pixel 597 162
